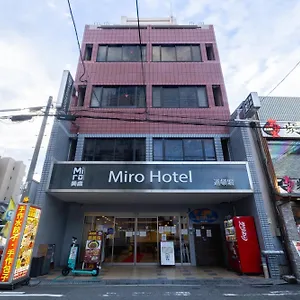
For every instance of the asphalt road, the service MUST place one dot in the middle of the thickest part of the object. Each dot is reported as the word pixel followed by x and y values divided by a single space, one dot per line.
pixel 170 292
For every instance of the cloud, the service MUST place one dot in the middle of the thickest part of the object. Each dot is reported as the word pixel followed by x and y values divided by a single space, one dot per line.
pixel 51 4
pixel 258 43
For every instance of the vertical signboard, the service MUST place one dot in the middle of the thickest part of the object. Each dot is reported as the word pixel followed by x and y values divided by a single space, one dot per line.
pixel 93 247
pixel 167 255
pixel 26 249
pixel 10 253
pixel 15 262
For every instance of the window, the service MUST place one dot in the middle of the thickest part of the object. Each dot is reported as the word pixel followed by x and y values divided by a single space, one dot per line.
pixel 183 149
pixel 72 149
pixel 118 96
pixel 179 96
pixel 176 53
pixel 217 95
pixel 114 149
pixel 81 94
pixel 225 148
pixel 127 53
pixel 210 52
pixel 88 52
pixel 285 155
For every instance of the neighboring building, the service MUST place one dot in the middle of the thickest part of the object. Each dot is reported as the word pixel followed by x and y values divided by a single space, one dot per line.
pixel 274 143
pixel 147 157
pixel 11 175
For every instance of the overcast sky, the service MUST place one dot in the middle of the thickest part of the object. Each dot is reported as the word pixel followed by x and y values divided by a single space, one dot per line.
pixel 258 41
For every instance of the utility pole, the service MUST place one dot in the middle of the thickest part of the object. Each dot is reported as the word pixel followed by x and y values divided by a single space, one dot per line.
pixel 28 183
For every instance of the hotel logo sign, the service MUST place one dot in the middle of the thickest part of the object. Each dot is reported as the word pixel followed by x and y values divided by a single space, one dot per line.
pixel 77 177
pixel 111 176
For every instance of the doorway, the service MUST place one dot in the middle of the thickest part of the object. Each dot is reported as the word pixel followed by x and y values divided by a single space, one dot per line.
pixel 208 245
pixel 136 240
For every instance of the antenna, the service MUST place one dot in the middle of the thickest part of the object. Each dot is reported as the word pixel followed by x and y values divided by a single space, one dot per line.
pixel 171 8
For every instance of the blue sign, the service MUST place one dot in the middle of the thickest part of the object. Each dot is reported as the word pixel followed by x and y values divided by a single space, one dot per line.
pixel 203 215
pixel 110 231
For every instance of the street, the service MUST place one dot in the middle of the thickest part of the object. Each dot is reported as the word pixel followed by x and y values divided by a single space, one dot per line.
pixel 165 292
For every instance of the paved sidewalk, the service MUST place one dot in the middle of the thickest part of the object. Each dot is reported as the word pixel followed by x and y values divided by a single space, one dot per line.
pixel 118 275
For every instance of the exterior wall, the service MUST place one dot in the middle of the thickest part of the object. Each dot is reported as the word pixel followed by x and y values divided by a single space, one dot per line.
pixel 284 109
pixel 156 73
pixel 291 234
pixel 244 148
pixel 52 223
pixel 11 175
pixel 33 190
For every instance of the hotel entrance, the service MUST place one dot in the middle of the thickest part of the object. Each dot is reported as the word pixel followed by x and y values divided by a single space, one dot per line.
pixel 136 240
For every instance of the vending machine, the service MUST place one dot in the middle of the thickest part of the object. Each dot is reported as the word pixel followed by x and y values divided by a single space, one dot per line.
pixel 242 244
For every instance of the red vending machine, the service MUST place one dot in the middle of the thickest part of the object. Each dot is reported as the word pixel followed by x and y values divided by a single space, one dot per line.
pixel 242 243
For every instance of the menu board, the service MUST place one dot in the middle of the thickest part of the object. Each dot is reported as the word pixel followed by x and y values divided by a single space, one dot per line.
pixel 27 243
pixel 11 250
pixel 93 247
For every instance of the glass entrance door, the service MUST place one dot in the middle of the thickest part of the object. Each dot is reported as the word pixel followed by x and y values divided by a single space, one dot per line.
pixel 124 240
pixel 146 240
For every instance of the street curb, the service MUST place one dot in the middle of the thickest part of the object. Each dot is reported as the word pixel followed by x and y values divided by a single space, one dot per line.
pixel 214 281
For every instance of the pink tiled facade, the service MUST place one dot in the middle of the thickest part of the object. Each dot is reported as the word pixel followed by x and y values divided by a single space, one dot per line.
pixel 151 120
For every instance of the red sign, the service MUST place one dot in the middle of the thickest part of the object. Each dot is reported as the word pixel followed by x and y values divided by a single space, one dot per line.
pixel 13 242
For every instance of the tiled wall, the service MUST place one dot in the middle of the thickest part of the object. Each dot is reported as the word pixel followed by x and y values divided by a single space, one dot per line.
pixel 152 120
pixel 243 145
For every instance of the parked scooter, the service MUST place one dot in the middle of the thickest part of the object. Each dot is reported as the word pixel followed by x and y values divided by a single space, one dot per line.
pixel 72 262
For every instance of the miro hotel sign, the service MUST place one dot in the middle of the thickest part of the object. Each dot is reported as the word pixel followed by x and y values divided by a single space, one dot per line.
pixel 151 176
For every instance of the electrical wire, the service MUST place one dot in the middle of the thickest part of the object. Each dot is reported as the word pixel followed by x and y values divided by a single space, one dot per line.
pixel 150 114
pixel 140 39
pixel 235 124
pixel 78 43
pixel 281 81
pixel 141 52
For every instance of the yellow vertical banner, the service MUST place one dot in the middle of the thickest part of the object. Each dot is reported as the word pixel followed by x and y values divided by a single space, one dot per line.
pixel 26 249
pixel 11 248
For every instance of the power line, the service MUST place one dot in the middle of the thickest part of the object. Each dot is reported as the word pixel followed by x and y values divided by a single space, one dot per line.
pixel 150 114
pixel 78 43
pixel 282 80
pixel 140 39
pixel 74 117
pixel 141 52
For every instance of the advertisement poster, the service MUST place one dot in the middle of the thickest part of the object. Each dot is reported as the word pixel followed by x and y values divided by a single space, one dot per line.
pixel 297 246
pixel 27 243
pixel 93 247
pixel 167 253
pixel 8 259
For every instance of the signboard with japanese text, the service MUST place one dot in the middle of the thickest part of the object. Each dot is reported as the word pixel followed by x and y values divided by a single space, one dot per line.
pixel 93 247
pixel 26 249
pixel 150 176
pixel 167 256
pixel 11 249
pixel 276 129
